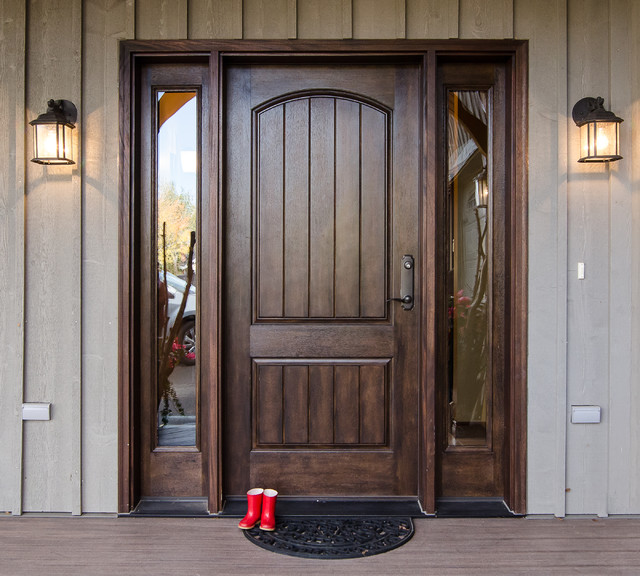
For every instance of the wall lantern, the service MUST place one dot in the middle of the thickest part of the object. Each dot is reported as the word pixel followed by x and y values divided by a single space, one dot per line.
pixel 52 133
pixel 599 131
pixel 482 189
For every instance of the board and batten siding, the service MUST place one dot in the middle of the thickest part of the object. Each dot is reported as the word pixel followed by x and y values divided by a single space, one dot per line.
pixel 59 230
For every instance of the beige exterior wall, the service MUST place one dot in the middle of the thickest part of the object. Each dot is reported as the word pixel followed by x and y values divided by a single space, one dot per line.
pixel 59 230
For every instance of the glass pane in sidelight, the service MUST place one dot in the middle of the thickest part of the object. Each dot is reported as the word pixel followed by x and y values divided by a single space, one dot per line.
pixel 176 223
pixel 468 288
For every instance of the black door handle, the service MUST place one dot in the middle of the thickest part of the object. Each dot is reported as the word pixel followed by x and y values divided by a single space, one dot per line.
pixel 406 283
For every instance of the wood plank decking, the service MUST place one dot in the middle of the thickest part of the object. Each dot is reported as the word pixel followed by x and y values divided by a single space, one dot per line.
pixel 94 546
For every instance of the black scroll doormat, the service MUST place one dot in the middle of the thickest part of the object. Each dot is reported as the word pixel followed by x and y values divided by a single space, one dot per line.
pixel 333 537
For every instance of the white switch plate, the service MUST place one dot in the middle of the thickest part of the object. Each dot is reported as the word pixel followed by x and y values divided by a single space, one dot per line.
pixel 36 411
pixel 580 270
pixel 585 414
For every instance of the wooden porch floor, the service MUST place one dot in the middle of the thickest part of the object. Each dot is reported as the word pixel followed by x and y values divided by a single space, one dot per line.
pixel 91 546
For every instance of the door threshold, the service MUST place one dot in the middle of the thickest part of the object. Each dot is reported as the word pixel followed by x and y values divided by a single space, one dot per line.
pixel 171 507
pixel 473 508
pixel 236 507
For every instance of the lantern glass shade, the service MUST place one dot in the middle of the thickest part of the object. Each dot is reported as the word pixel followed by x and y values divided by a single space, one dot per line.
pixel 599 131
pixel 52 133
pixel 52 144
pixel 600 142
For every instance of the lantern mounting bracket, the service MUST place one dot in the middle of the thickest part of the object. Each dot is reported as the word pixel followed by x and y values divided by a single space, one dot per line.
pixel 58 111
pixel 590 110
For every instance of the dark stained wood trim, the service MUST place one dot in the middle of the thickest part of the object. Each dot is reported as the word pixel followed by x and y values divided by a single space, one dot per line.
pixel 133 53
pixel 517 478
pixel 213 405
pixel 125 441
pixel 451 48
pixel 428 236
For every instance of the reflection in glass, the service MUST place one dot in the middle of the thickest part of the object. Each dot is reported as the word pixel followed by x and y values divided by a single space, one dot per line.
pixel 176 213
pixel 469 205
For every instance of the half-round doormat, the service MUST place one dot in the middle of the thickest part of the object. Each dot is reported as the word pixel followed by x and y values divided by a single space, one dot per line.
pixel 332 537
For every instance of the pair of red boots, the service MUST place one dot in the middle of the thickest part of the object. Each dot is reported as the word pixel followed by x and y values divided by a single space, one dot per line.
pixel 262 506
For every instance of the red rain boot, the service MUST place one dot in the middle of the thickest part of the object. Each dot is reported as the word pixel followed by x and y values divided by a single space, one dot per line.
pixel 254 499
pixel 268 520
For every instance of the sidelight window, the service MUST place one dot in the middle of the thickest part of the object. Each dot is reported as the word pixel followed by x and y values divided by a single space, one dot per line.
pixel 469 270
pixel 176 199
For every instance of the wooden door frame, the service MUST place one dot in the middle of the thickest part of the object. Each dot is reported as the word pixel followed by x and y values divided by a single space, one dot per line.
pixel 135 54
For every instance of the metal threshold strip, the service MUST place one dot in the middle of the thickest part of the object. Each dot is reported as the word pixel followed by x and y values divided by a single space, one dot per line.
pixel 171 507
pixel 473 508
pixel 325 507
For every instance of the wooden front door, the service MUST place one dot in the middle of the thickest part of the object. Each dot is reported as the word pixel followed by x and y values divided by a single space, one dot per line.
pixel 321 189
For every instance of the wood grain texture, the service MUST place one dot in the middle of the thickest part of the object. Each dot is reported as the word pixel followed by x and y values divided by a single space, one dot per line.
pixel 53 272
pixel 106 22
pixel 12 243
pixel 624 430
pixel 161 19
pixel 266 18
pixel 302 403
pixel 432 19
pixel 486 19
pixel 379 19
pixel 632 137
pixel 294 355
pixel 548 276
pixel 321 209
pixel 215 19
pixel 496 547
pixel 589 242
pixel 322 18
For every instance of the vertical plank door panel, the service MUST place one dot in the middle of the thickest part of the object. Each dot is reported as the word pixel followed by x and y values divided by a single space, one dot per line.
pixel 347 405
pixel 269 404
pixel 347 265
pixel 373 404
pixel 374 213
pixel 296 404
pixel 321 385
pixel 270 212
pixel 322 223
pixel 296 210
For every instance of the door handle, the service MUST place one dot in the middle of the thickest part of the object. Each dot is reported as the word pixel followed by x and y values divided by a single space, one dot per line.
pixel 406 283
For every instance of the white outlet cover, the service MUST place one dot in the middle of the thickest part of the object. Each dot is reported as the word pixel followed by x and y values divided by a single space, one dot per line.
pixel 36 411
pixel 585 414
